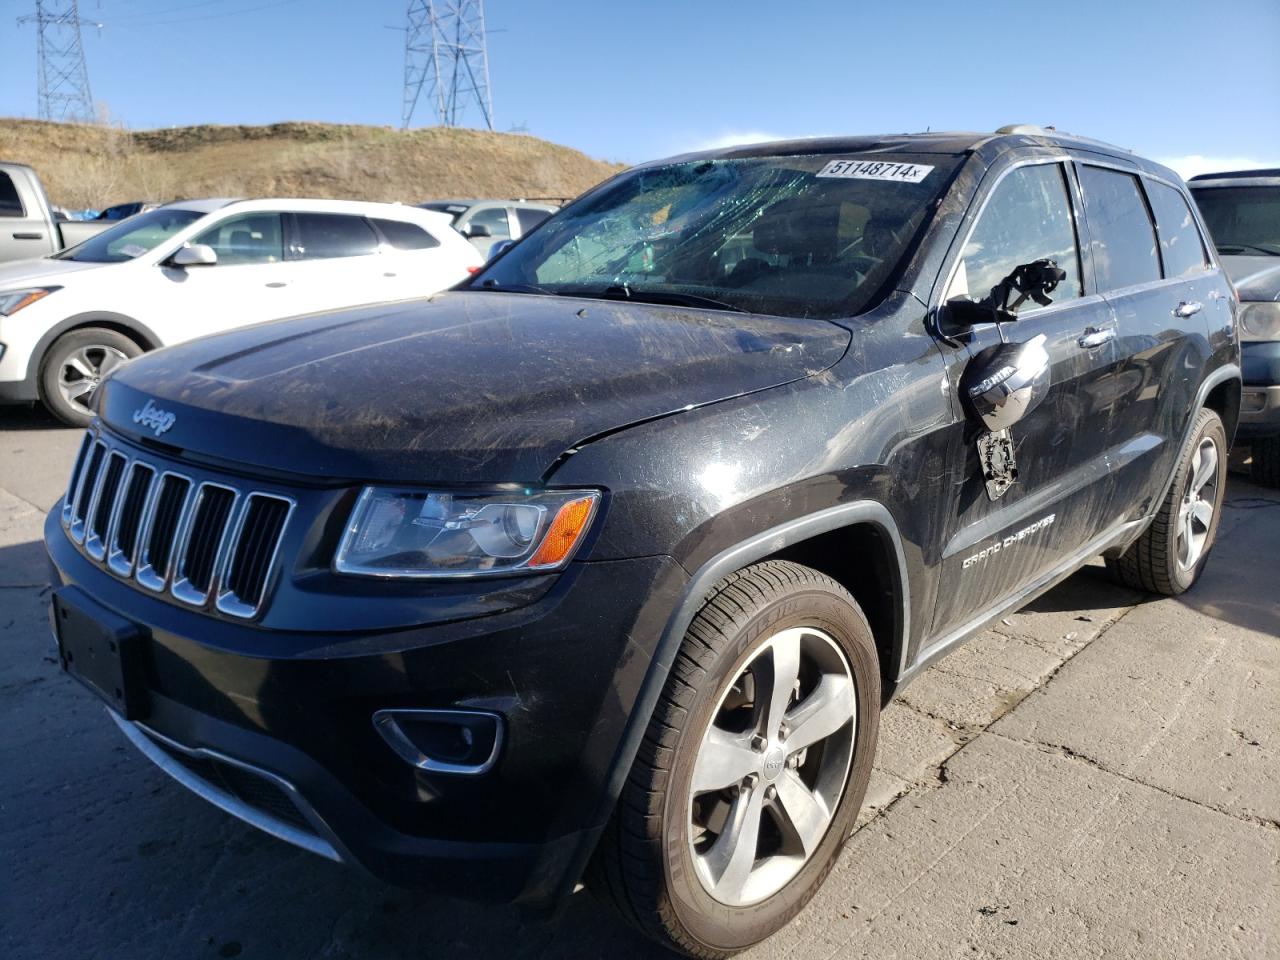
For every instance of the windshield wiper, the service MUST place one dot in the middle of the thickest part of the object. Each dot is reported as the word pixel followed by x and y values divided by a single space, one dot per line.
pixel 627 292
pixel 492 284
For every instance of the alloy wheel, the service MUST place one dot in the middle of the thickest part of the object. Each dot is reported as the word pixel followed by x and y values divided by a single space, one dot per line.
pixel 1195 514
pixel 83 370
pixel 772 766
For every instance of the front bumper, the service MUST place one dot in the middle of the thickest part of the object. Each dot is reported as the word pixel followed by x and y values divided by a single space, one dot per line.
pixel 1260 398
pixel 562 672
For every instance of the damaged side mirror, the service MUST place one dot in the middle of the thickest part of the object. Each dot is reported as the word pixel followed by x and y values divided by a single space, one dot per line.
pixel 1007 382
pixel 1028 281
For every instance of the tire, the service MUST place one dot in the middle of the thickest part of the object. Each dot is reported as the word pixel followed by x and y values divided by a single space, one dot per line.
pixel 1265 454
pixel 73 365
pixel 658 861
pixel 1170 555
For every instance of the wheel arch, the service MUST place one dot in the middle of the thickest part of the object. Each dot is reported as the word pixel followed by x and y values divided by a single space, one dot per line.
pixel 817 539
pixel 136 331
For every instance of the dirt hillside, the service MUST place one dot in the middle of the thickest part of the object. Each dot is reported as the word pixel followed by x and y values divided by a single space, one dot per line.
pixel 94 166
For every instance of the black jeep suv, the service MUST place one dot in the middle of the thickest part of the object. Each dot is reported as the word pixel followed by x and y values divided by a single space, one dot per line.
pixel 603 564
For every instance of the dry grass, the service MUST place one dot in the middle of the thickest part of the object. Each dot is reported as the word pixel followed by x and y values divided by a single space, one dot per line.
pixel 95 166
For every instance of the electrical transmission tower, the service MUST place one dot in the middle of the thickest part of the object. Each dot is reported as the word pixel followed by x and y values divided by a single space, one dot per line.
pixel 445 53
pixel 63 76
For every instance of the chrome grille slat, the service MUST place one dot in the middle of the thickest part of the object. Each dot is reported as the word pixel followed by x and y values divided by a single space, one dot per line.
pixel 197 539
pixel 98 522
pixel 85 491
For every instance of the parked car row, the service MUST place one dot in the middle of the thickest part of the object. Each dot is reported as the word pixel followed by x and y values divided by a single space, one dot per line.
pixel 603 563
pixel 1242 210
pixel 197 267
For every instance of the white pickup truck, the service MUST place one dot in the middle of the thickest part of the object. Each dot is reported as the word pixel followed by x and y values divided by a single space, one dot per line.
pixel 28 226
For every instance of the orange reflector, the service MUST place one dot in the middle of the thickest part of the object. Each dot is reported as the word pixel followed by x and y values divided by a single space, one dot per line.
pixel 566 530
pixel 474 270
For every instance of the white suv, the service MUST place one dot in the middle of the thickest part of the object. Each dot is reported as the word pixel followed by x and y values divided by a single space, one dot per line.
pixel 203 266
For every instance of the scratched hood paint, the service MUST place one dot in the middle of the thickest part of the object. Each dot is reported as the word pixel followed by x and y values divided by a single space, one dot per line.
pixel 466 387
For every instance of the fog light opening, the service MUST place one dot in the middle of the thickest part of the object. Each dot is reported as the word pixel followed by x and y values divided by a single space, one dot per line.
pixel 462 742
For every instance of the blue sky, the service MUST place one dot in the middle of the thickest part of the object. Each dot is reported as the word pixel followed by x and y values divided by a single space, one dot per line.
pixel 1173 79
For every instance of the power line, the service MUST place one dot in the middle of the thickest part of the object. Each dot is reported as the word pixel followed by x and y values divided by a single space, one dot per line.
pixel 446 52
pixel 61 71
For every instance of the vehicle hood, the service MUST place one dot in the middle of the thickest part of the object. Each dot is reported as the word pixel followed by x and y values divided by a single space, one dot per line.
pixel 1255 278
pixel 464 387
pixel 24 273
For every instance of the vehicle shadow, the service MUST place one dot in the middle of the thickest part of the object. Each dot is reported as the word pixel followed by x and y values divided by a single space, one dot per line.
pixel 30 416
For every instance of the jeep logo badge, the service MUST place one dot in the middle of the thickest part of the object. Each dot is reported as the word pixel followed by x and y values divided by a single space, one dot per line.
pixel 773 764
pixel 153 418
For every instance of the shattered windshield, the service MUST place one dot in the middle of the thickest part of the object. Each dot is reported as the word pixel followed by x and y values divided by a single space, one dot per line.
pixel 803 236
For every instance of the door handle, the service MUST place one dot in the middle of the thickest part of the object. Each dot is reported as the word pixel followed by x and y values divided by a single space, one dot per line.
pixel 1093 337
pixel 1187 309
pixel 28 236
pixel 277 284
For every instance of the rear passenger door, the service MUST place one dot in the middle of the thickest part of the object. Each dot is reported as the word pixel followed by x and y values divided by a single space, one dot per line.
pixel 995 549
pixel 414 261
pixel 23 233
pixel 335 260
pixel 1151 265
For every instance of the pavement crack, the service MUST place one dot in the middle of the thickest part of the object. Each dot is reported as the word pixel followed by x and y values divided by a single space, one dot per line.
pixel 1075 755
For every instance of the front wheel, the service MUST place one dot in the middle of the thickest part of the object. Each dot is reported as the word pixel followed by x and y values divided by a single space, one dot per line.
pixel 753 768
pixel 74 366
pixel 1171 553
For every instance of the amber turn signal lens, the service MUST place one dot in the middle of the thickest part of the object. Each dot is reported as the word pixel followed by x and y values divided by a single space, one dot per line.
pixel 567 528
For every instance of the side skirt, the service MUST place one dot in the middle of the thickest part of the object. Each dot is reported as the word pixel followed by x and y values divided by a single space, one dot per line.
pixel 940 648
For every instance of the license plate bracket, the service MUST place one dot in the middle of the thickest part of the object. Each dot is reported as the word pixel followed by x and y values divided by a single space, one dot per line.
pixel 102 650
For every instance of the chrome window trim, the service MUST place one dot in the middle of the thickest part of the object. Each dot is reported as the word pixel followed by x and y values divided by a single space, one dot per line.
pixel 956 252
pixel 146 570
pixel 182 588
pixel 227 602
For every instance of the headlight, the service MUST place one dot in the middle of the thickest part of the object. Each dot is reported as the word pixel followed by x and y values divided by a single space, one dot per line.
pixel 1260 321
pixel 11 301
pixel 418 533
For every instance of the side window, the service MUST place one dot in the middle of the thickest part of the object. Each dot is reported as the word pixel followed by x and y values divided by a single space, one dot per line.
pixel 248 238
pixel 10 202
pixel 1180 242
pixel 495 218
pixel 1027 218
pixel 530 218
pixel 1123 239
pixel 327 235
pixel 406 236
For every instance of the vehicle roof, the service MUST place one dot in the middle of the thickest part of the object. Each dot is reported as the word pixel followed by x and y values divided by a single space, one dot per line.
pixel 367 208
pixel 1237 178
pixel 988 145
pixel 497 203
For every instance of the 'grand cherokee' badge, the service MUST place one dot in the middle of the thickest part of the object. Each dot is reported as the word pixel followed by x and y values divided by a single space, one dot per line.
pixel 153 418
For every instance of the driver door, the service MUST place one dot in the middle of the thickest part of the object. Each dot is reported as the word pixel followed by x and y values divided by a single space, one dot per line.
pixel 250 283
pixel 997 548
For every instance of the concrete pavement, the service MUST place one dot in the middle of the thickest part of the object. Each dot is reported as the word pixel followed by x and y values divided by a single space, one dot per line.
pixel 1098 775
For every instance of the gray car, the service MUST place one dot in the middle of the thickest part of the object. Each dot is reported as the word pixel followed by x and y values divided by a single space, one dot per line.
pixel 487 223
pixel 1242 211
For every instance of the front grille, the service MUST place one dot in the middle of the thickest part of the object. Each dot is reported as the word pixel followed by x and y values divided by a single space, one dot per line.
pixel 200 541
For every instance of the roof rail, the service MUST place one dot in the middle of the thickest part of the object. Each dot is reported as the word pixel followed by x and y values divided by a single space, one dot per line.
pixel 1035 130
pixel 1239 174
